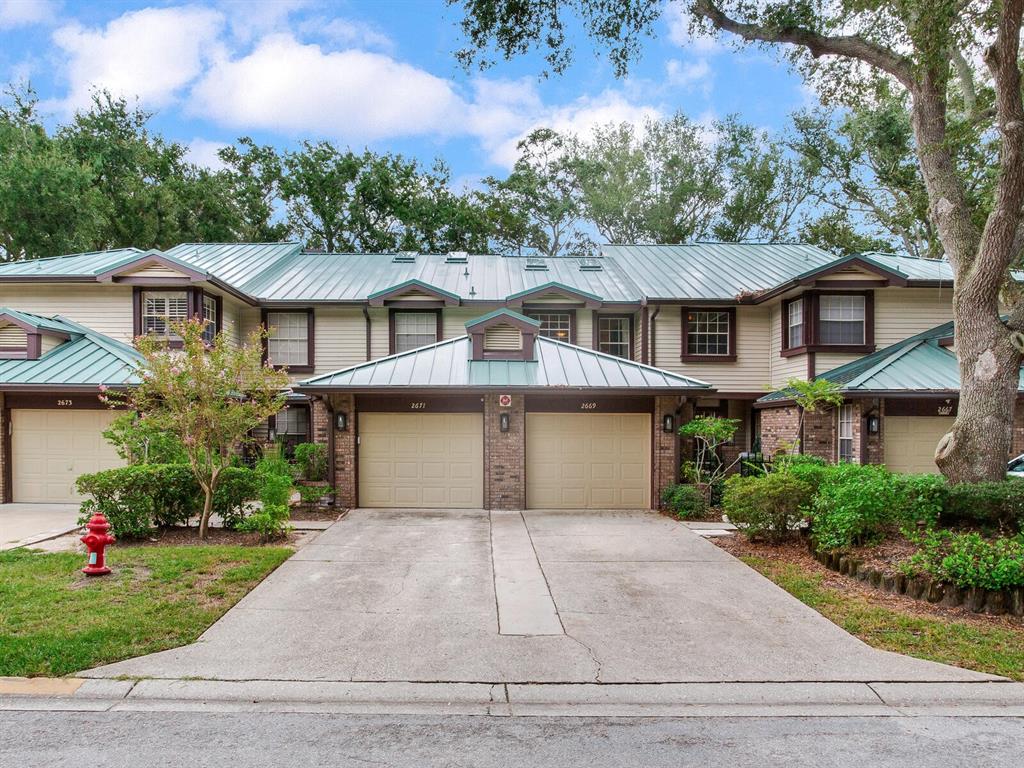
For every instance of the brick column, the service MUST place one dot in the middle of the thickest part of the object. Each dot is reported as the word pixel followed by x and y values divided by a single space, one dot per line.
pixel 319 422
pixel 820 434
pixel 779 426
pixel 665 466
pixel 344 480
pixel 504 454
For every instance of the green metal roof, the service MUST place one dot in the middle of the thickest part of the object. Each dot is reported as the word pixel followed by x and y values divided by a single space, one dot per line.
pixel 87 359
pixel 919 364
pixel 504 312
pixel 37 321
pixel 448 364
pixel 410 284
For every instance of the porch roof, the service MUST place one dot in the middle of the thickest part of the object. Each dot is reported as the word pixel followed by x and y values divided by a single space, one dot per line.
pixel 448 365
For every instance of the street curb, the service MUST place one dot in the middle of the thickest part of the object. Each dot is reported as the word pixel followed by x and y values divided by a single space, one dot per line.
pixel 827 699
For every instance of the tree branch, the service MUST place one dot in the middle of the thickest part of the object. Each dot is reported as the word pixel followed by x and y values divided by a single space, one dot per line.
pixel 850 46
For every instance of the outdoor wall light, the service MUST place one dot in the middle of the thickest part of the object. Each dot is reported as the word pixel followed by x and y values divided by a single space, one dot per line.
pixel 668 423
pixel 504 422
pixel 873 424
pixel 341 421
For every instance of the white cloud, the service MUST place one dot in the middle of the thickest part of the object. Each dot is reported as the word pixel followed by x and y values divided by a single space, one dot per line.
pixel 300 89
pixel 250 19
pixel 678 20
pixel 203 152
pixel 23 13
pixel 689 74
pixel 578 118
pixel 348 33
pixel 151 54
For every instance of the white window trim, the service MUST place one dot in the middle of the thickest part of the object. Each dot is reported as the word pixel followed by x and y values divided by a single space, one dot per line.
pixel 797 304
pixel 426 325
pixel 274 335
pixel 162 315
pixel 844 414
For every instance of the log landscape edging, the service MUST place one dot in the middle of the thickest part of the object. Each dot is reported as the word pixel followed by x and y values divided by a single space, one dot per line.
pixel 975 599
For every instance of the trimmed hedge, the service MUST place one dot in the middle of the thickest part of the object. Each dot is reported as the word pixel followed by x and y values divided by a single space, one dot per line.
pixel 139 497
pixel 996 505
pixel 684 501
pixel 767 505
pixel 969 560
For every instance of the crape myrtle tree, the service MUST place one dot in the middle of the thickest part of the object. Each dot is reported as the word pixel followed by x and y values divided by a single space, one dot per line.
pixel 956 62
pixel 210 396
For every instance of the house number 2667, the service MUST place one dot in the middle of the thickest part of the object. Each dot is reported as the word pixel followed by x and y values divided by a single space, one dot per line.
pixel 588 406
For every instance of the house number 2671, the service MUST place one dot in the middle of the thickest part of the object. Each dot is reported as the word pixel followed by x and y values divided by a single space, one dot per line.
pixel 588 406
pixel 417 406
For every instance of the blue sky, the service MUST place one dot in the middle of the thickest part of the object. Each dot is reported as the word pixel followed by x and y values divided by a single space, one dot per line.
pixel 378 74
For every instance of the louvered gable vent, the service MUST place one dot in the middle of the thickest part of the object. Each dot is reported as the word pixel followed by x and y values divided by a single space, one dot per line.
pixel 502 338
pixel 13 337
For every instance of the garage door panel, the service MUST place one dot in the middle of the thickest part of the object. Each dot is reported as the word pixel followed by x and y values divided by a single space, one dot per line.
pixel 421 460
pixel 588 461
pixel 51 448
pixel 910 442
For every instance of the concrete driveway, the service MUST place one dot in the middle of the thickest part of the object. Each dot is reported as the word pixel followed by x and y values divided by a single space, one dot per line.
pixel 507 597
pixel 24 524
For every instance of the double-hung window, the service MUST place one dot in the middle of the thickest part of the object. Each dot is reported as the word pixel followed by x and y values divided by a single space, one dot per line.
pixel 841 320
pixel 614 335
pixel 708 333
pixel 845 432
pixel 414 329
pixel 288 339
pixel 161 310
pixel 554 325
pixel 795 324
pixel 210 316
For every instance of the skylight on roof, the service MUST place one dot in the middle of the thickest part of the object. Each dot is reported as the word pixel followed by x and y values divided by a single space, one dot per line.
pixel 404 257
pixel 590 265
pixel 457 257
pixel 535 264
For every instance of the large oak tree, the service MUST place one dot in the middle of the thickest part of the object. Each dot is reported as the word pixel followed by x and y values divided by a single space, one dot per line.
pixel 943 56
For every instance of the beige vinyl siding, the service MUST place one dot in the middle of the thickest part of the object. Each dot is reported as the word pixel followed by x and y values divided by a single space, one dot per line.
pixel 903 312
pixel 454 319
pixel 47 342
pixel 380 335
pixel 248 321
pixel 845 275
pixel 156 270
pixel 782 368
pixel 638 345
pixel 750 373
pixel 232 311
pixel 106 309
pixel 340 337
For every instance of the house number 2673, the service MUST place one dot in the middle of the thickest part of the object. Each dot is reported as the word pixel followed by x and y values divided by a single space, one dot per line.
pixel 588 406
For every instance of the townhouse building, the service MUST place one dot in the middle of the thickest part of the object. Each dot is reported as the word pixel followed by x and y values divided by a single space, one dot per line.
pixel 479 380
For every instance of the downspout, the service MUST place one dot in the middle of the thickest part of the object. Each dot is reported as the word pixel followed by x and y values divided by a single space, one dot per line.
pixel 366 316
pixel 657 311
pixel 645 319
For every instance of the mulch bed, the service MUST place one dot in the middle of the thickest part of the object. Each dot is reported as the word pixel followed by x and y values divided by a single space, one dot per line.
pixel 795 552
pixel 316 513
pixel 185 537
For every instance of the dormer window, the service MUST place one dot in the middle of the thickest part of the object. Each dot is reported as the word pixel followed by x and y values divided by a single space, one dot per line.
pixel 832 321
pixel 841 319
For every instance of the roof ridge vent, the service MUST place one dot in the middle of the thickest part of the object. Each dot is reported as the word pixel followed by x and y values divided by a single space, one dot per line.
pixel 536 264
pixel 404 257
pixel 457 257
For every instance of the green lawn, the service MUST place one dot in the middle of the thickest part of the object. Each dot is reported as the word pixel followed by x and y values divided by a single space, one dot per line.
pixel 986 647
pixel 55 621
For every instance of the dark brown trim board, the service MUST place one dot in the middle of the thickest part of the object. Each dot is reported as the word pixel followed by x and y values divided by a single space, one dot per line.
pixel 58 401
pixel 812 331
pixel 439 333
pixel 310 338
pixel 8 495
pixel 587 403
pixel 419 403
pixel 684 312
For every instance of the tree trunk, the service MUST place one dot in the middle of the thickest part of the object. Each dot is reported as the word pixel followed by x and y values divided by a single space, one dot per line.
pixel 980 442
pixel 204 521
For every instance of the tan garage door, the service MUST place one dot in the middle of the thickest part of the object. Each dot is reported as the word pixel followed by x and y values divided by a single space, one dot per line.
pixel 588 461
pixel 432 460
pixel 51 448
pixel 910 441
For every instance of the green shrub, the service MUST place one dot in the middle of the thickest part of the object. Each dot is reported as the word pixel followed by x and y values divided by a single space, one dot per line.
pixel 275 490
pixel 920 498
pixel 789 460
pixel 767 505
pixel 970 560
pixel 854 504
pixel 312 494
pixel 312 460
pixel 998 504
pixel 137 497
pixel 236 488
pixel 269 522
pixel 684 501
pixel 273 462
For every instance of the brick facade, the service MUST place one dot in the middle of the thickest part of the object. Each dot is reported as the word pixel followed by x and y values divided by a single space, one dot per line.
pixel 504 454
pixel 779 429
pixel 666 459
pixel 345 478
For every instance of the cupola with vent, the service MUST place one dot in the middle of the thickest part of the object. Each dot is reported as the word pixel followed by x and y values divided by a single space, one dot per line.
pixel 503 335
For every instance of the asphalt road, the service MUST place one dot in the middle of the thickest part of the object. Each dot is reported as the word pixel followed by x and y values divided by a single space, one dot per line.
pixel 246 740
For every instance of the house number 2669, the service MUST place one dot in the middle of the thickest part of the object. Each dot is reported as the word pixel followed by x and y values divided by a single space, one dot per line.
pixel 588 406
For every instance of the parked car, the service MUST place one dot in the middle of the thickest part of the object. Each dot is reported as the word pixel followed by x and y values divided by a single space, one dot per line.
pixel 1015 467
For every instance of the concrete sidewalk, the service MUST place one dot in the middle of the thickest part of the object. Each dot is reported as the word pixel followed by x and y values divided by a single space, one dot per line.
pixel 412 596
pixel 22 525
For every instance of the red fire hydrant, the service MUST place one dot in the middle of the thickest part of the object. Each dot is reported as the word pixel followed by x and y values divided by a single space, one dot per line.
pixel 95 540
